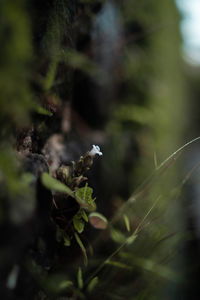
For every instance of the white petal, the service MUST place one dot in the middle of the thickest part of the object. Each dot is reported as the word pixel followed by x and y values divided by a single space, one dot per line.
pixel 95 150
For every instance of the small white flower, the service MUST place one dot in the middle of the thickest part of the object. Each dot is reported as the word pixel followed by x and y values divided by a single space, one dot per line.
pixel 95 150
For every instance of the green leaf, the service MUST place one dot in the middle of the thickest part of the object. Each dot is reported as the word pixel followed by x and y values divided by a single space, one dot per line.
pixel 27 178
pixel 92 284
pixel 67 241
pixel 78 223
pixel 53 184
pixel 82 248
pixel 155 160
pixel 127 223
pixel 117 236
pixel 98 221
pixel 42 111
pixel 61 235
pixel 51 73
pixel 134 113
pixel 84 197
pixel 82 62
pixel 160 270
pixel 84 215
pixel 131 239
pixel 118 264
pixel 80 278
pixel 65 284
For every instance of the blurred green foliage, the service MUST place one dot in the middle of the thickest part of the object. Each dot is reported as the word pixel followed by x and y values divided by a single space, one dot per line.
pixel 15 64
pixel 16 96
pixel 131 259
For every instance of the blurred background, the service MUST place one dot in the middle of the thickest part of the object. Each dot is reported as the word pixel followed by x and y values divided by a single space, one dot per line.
pixel 123 75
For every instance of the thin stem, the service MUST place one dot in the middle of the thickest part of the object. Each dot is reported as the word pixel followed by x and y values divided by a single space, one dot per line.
pixel 189 174
pixel 177 151
pixel 138 227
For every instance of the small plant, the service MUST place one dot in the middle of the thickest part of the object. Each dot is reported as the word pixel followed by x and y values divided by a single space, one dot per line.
pixel 73 204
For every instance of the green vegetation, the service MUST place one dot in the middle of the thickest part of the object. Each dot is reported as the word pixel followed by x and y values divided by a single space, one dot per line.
pixel 104 236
